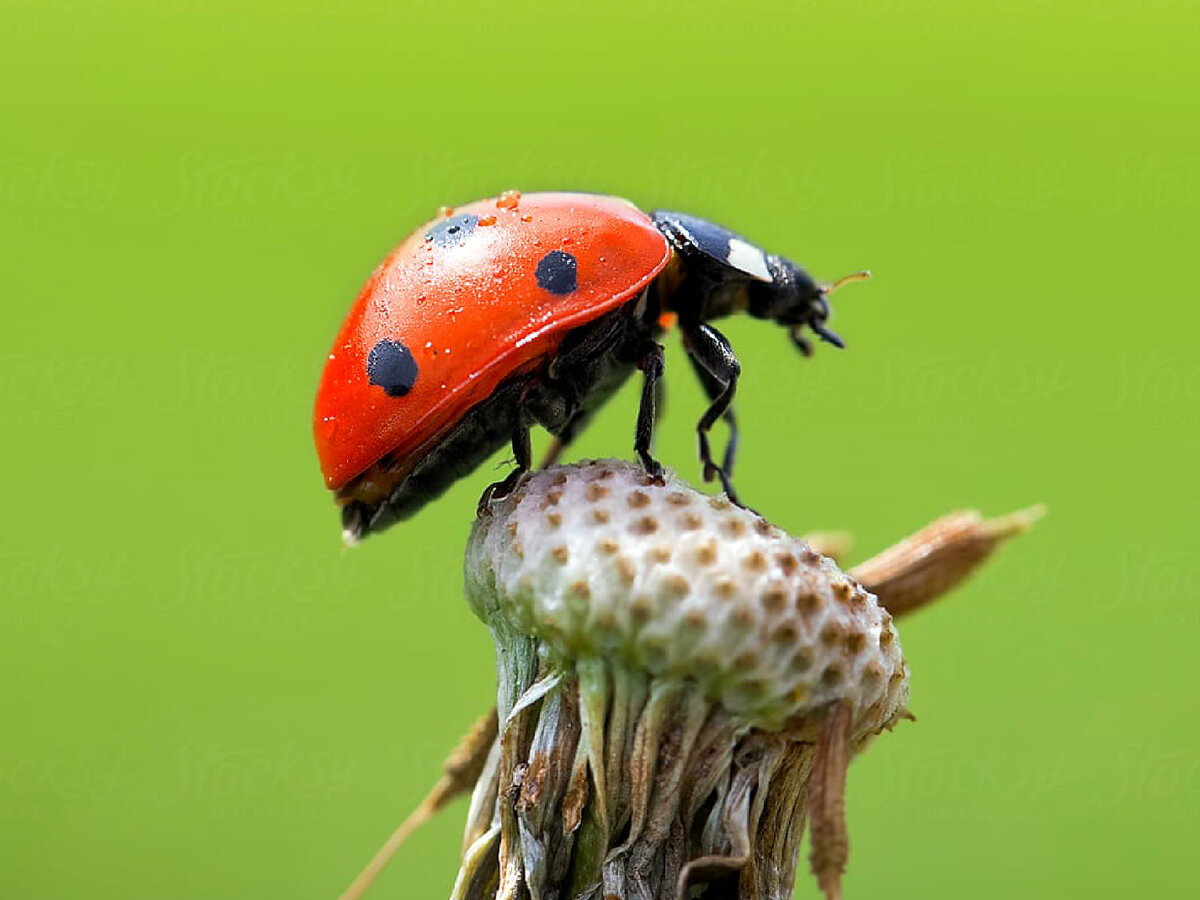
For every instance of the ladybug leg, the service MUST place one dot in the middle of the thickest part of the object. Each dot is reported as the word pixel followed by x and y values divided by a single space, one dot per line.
pixel 589 367
pixel 801 343
pixel 711 354
pixel 523 452
pixel 652 367
pixel 713 389
pixel 660 400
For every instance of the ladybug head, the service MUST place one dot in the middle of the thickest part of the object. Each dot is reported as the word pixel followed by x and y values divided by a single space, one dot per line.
pixel 795 299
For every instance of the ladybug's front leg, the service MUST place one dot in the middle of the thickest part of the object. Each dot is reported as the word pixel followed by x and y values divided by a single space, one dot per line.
pixel 652 366
pixel 712 356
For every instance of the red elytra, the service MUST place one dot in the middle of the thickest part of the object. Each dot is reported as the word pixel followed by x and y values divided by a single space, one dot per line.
pixel 472 314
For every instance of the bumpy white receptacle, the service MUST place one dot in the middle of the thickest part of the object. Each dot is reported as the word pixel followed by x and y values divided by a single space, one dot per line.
pixel 597 560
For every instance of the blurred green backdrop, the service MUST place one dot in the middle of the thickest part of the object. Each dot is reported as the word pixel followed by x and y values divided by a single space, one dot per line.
pixel 205 696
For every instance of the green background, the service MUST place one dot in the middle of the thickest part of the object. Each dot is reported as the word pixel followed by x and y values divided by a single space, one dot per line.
pixel 205 696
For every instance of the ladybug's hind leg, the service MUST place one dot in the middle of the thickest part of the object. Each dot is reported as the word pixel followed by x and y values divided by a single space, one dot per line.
pixel 718 369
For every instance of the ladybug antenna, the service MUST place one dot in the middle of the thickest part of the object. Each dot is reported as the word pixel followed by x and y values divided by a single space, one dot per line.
pixel 845 280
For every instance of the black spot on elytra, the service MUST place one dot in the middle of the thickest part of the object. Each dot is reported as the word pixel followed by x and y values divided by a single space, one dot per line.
pixel 556 272
pixel 453 231
pixel 390 365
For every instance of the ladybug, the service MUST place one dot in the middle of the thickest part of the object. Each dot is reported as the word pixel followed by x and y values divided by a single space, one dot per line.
pixel 523 310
